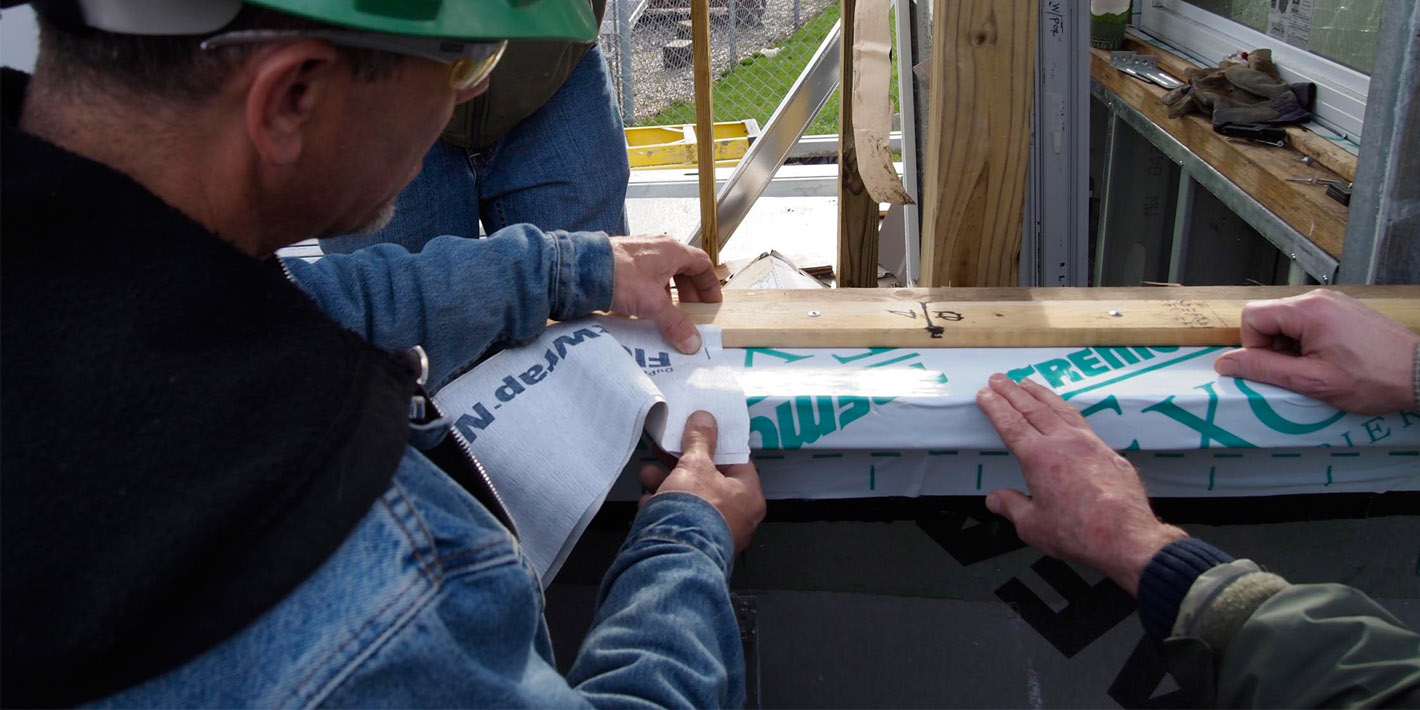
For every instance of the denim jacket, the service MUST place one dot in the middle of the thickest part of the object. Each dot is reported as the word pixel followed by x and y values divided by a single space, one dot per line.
pixel 430 601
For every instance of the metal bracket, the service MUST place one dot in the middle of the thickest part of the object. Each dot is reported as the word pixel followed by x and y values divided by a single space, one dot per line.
pixel 1143 66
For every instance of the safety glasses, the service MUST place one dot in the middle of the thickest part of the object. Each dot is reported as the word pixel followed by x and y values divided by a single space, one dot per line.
pixel 469 62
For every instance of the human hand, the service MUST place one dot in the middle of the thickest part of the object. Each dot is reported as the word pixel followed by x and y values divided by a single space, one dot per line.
pixel 645 266
pixel 733 490
pixel 1086 503
pixel 1327 345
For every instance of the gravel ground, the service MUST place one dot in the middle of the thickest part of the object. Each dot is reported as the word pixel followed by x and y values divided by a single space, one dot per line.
pixel 657 87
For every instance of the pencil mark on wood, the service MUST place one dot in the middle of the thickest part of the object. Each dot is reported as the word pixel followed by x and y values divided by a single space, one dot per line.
pixel 941 314
pixel 1190 314
pixel 933 330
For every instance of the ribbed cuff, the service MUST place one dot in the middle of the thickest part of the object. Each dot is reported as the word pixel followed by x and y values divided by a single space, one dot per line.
pixel 585 274
pixel 1417 377
pixel 1167 579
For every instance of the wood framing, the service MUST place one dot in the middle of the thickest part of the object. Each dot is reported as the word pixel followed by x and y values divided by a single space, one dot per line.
pixel 857 212
pixel 978 143
pixel 704 127
pixel 1008 317
pixel 1331 156
pixel 1260 170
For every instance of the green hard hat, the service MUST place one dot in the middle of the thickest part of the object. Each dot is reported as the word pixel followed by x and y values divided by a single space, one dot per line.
pixel 453 19
pixel 445 19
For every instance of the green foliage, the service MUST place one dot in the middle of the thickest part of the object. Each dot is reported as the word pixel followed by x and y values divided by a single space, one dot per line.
pixel 755 86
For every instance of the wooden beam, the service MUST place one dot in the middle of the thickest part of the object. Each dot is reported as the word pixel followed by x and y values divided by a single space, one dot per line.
pixel 978 143
pixel 1008 317
pixel 1260 170
pixel 857 212
pixel 704 127
pixel 1333 157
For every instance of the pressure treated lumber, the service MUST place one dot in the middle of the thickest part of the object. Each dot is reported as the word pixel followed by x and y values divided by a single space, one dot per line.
pixel 1260 170
pixel 1333 157
pixel 857 212
pixel 978 143
pixel 704 128
pixel 1008 317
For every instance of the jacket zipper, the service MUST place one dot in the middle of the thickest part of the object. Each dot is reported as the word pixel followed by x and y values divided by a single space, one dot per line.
pixel 502 512
pixel 464 447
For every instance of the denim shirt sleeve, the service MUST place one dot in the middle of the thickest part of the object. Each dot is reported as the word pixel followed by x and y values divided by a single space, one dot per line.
pixel 665 633
pixel 458 297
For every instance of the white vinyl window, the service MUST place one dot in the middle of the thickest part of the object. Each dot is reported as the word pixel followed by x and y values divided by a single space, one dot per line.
pixel 1330 43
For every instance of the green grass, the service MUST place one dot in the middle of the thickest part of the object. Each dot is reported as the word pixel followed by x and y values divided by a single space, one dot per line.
pixel 754 88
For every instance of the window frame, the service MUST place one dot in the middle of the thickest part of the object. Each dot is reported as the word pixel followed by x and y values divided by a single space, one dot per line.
pixel 1340 91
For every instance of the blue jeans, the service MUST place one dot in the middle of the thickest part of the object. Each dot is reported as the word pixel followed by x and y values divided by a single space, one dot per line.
pixel 564 167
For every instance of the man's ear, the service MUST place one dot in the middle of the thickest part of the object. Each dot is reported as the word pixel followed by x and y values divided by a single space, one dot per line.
pixel 288 84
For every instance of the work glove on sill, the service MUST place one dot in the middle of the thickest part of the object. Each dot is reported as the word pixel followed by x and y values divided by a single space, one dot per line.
pixel 1236 93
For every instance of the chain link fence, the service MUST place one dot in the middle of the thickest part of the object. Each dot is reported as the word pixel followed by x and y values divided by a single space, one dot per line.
pixel 758 50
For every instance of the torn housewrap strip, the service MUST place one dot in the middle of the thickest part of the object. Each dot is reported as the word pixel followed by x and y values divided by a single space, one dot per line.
pixel 554 421
pixel 703 380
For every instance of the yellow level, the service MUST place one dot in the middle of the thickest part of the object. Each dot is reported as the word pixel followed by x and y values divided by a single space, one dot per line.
pixel 674 146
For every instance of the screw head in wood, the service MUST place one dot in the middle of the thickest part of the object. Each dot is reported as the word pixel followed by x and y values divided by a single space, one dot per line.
pixel 1116 314
pixel 814 314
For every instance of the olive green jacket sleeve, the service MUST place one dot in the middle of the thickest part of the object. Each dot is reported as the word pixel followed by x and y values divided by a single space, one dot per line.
pixel 529 73
pixel 1248 638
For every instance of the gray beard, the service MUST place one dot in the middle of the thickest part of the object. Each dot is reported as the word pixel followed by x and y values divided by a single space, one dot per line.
pixel 381 220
